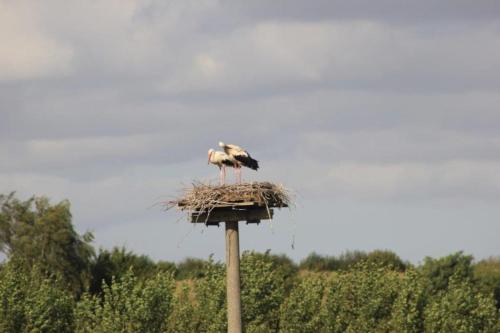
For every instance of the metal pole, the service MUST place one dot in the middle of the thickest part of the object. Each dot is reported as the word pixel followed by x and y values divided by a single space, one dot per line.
pixel 233 278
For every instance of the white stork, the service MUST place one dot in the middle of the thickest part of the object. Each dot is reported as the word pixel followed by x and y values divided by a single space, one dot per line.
pixel 221 159
pixel 241 157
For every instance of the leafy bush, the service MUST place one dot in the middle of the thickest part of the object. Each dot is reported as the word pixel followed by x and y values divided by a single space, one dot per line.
pixel 128 305
pixel 300 312
pixel 386 258
pixel 35 232
pixel 461 309
pixel 283 266
pixel 191 268
pixel 437 272
pixel 315 262
pixel 408 309
pixel 487 276
pixel 262 292
pixel 183 317
pixel 361 300
pixel 118 262
pixel 31 302
pixel 210 291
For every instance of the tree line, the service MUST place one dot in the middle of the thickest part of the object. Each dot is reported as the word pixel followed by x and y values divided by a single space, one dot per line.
pixel 54 280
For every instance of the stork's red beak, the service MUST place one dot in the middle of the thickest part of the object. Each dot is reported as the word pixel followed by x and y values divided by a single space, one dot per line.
pixel 208 162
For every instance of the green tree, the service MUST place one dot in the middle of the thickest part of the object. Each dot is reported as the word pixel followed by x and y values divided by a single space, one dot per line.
pixel 408 310
pixel 300 312
pixel 461 309
pixel 317 263
pixel 191 268
pixel 386 258
pixel 487 277
pixel 361 300
pixel 262 292
pixel 40 233
pixel 32 302
pixel 282 266
pixel 210 293
pixel 129 305
pixel 183 318
pixel 439 271
pixel 117 262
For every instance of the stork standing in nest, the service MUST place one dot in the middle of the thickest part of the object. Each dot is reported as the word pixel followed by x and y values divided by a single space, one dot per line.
pixel 221 159
pixel 241 158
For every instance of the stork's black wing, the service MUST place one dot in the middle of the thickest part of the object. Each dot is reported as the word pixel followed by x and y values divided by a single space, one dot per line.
pixel 247 161
pixel 229 163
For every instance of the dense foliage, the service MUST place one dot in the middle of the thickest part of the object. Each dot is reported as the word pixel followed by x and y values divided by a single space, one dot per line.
pixel 42 234
pixel 54 281
pixel 127 305
pixel 316 262
pixel 31 302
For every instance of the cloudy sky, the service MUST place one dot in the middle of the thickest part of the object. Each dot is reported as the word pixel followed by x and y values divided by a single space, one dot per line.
pixel 383 117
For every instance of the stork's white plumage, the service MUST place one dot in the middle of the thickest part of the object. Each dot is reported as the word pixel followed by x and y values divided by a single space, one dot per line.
pixel 221 159
pixel 241 156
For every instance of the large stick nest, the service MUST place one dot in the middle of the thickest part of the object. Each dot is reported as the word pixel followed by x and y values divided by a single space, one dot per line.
pixel 205 197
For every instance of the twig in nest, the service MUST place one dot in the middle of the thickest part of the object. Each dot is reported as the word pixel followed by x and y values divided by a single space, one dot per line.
pixel 203 198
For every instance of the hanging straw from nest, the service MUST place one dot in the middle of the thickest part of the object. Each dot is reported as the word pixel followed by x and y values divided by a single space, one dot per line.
pixel 205 197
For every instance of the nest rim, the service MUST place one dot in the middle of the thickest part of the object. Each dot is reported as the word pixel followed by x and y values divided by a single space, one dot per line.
pixel 204 197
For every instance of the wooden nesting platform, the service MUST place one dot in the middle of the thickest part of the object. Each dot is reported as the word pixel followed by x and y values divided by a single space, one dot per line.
pixel 250 212
pixel 250 202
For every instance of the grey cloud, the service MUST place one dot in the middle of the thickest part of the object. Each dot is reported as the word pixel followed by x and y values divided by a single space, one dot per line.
pixel 150 51
pixel 403 12
pixel 27 50
pixel 327 126
pixel 386 105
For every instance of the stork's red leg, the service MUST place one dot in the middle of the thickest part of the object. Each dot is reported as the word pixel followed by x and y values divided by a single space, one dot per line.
pixel 239 175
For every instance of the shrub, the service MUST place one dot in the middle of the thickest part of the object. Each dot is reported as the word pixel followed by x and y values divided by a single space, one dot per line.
pixel 128 305
pixel 262 292
pixel 210 293
pixel 386 258
pixel 437 272
pixel 315 262
pixel 301 310
pixel 183 316
pixel 461 309
pixel 408 310
pixel 361 300
pixel 487 276
pixel 36 232
pixel 31 302
pixel 191 268
pixel 118 262
pixel 282 266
